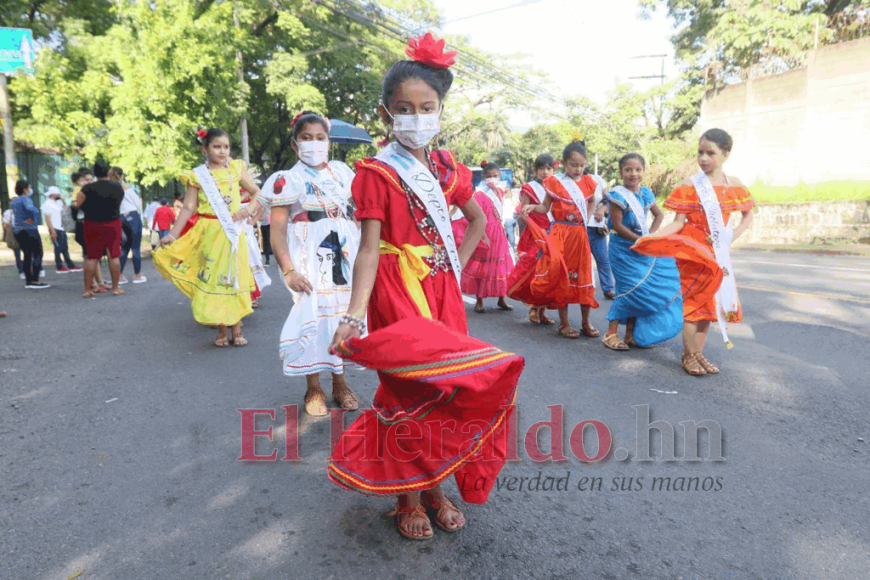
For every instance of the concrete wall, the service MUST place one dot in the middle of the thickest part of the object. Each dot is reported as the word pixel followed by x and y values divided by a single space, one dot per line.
pixel 805 223
pixel 807 125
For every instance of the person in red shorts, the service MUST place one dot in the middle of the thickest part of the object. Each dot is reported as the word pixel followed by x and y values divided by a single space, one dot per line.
pixel 101 203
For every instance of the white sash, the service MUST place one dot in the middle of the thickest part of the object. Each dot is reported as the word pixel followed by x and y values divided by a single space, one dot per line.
pixel 580 201
pixel 576 196
pixel 634 205
pixel 222 212
pixel 254 259
pixel 541 193
pixel 327 183
pixel 493 197
pixel 721 236
pixel 427 189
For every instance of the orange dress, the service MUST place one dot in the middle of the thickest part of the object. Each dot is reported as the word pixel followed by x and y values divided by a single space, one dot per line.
pixel 699 302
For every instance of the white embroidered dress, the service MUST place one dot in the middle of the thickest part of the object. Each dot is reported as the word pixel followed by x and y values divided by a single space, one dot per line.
pixel 324 252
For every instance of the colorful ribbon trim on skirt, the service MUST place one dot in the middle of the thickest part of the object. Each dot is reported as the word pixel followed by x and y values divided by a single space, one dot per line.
pixel 413 269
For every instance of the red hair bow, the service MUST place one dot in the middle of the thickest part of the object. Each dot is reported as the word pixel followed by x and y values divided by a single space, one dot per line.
pixel 293 122
pixel 426 50
pixel 484 163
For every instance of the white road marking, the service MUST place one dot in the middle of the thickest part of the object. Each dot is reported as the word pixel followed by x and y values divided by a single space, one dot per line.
pixel 863 271
pixel 468 300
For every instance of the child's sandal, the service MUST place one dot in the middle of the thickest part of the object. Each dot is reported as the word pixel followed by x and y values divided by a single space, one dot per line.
pixel 613 342
pixel 708 366
pixel 692 366
pixel 411 515
pixel 442 509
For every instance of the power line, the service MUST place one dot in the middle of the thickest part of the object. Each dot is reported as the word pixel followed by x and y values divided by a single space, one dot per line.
pixel 519 5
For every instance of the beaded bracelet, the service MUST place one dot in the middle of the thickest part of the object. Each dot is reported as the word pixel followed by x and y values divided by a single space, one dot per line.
pixel 357 323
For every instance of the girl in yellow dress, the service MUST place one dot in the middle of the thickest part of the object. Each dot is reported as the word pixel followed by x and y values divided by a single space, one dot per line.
pixel 209 263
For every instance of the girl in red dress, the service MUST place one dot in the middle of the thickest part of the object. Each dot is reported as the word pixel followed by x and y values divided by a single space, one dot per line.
pixel 568 236
pixel 690 239
pixel 533 193
pixel 432 375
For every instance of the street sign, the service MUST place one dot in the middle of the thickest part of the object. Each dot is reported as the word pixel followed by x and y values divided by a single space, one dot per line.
pixel 16 50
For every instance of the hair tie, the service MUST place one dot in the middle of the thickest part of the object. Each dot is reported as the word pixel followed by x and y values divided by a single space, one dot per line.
pixel 426 50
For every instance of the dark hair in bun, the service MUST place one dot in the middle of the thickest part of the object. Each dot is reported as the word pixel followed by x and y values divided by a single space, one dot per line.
pixel 574 147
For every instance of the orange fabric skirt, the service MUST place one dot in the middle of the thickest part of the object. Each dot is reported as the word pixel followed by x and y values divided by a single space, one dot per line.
pixel 700 275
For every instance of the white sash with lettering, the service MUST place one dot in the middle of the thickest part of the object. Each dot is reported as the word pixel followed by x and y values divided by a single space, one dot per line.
pixel 722 236
pixel 576 195
pixel 541 193
pixel 634 205
pixel 222 212
pixel 427 189
pixel 493 197
pixel 255 261
pixel 580 201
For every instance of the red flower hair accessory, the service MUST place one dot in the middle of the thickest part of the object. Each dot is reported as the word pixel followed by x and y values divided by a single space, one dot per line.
pixel 296 118
pixel 484 163
pixel 201 134
pixel 293 122
pixel 426 50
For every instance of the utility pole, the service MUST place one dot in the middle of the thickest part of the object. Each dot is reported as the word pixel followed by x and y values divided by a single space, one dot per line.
pixel 8 141
pixel 661 76
pixel 244 125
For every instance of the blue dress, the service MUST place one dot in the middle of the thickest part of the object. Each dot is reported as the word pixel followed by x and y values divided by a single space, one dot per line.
pixel 647 288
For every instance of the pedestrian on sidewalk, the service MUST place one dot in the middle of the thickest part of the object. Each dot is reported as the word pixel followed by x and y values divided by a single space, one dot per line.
pixel 164 219
pixel 101 203
pixel 11 242
pixel 24 225
pixel 53 211
pixel 131 222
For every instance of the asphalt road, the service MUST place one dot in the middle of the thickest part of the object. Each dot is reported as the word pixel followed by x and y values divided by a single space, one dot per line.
pixel 120 433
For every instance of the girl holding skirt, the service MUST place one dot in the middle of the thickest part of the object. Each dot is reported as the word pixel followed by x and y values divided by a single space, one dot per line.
pixel 315 243
pixel 451 393
pixel 648 300
pixel 209 264
pixel 700 239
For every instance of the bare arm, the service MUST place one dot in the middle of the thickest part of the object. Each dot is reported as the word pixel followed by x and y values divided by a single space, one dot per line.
pixel 744 223
pixel 539 208
pixel 674 227
pixel 188 209
pixel 474 233
pixel 365 270
pixel 658 217
pixel 278 237
pixel 619 227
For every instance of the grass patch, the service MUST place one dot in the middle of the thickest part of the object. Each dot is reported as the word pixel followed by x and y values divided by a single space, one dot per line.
pixel 845 190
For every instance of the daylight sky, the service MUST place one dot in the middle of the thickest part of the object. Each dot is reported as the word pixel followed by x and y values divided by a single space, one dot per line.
pixel 584 45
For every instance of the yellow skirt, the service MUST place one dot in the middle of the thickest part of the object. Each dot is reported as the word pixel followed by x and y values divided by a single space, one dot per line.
pixel 198 264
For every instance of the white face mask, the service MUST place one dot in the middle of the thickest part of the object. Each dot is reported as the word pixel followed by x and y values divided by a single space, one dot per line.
pixel 416 131
pixel 313 153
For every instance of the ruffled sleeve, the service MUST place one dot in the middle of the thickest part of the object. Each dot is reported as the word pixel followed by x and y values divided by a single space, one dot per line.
pixel 683 199
pixel 737 199
pixel 527 190
pixel 282 188
pixel 616 198
pixel 370 189
pixel 189 179
pixel 455 178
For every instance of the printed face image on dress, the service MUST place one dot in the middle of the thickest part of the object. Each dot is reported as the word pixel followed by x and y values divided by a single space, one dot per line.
pixel 330 261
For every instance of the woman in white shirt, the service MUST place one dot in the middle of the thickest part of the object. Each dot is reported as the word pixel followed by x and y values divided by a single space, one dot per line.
pixel 131 221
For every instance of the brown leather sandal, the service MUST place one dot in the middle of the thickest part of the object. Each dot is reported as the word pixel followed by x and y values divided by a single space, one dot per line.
pixel 546 319
pixel 692 366
pixel 346 400
pixel 568 332
pixel 411 515
pixel 708 366
pixel 442 509
pixel 534 316
pixel 590 331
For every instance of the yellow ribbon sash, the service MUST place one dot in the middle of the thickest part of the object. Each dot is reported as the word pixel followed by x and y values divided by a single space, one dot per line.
pixel 413 269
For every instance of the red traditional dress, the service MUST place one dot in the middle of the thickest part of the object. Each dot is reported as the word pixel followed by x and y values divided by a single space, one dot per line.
pixel 569 243
pixel 700 275
pixel 527 242
pixel 486 273
pixel 435 381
